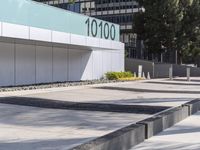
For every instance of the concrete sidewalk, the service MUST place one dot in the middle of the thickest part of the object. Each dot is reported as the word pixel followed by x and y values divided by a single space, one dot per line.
pixel 97 93
pixel 30 128
pixel 183 136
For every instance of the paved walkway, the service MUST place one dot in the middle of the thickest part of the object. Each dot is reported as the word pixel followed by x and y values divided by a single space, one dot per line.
pixel 29 128
pixel 100 94
pixel 183 136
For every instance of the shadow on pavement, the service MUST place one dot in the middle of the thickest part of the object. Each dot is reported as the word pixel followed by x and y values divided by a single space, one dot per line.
pixel 56 104
pixel 36 119
pixel 173 83
pixel 51 144
pixel 147 101
pixel 147 90
pixel 193 80
pixel 167 145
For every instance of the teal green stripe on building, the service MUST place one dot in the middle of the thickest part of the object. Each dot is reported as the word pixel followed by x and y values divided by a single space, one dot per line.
pixel 29 13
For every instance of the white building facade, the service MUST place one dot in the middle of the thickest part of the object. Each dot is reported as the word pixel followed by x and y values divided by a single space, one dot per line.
pixel 43 44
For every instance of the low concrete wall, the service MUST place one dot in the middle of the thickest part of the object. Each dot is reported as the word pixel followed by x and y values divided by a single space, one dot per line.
pixel 132 65
pixel 164 120
pixel 127 137
pixel 122 139
pixel 159 70
pixel 153 126
pixel 194 72
pixel 193 106
pixel 179 70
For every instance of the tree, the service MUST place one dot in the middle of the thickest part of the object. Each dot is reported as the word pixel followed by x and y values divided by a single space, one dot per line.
pixel 170 25
pixel 71 1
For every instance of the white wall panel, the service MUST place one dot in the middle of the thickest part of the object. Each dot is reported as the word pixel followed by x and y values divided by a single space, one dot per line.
pixel 87 65
pixel 6 64
pixel 44 64
pixel 93 42
pixel 105 44
pixel 25 64
pixel 60 37
pixel 107 62
pixel 0 28
pixel 117 45
pixel 39 34
pixel 78 39
pixel 75 65
pixel 115 61
pixel 97 64
pixel 15 31
pixel 122 65
pixel 60 64
pixel 121 46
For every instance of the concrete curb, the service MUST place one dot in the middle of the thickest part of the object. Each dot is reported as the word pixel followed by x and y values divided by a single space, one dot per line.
pixel 153 126
pixel 164 120
pixel 56 104
pixel 193 106
pixel 121 139
pixel 134 134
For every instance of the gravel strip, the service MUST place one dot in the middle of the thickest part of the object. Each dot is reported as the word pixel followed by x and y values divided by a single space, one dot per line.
pixel 54 85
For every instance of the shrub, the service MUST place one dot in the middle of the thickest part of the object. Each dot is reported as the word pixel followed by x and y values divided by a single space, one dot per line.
pixel 118 75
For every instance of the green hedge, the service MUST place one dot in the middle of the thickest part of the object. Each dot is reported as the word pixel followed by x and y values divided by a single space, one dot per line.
pixel 118 75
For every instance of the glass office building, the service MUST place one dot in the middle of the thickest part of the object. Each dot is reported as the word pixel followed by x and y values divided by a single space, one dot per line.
pixel 116 11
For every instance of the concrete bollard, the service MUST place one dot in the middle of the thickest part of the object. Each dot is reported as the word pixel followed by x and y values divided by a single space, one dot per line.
pixel 188 74
pixel 148 76
pixel 140 71
pixel 143 75
pixel 135 75
pixel 171 73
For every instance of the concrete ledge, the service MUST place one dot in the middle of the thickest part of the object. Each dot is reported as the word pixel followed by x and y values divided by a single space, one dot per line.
pixel 153 126
pixel 164 120
pixel 193 106
pixel 57 104
pixel 132 135
pixel 122 139
pixel 173 116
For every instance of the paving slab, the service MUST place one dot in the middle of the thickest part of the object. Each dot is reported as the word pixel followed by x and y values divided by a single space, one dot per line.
pixel 32 128
pixel 29 128
pixel 97 94
pixel 183 136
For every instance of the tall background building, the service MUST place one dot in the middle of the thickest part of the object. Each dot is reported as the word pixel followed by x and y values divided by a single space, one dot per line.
pixel 116 11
